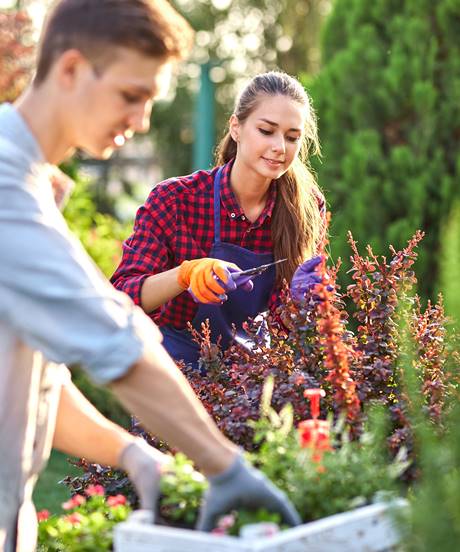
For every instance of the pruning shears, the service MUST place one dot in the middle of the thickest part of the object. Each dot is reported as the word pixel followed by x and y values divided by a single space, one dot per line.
pixel 240 277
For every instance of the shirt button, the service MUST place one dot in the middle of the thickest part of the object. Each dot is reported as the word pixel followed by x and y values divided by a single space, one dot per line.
pixel 233 215
pixel 243 217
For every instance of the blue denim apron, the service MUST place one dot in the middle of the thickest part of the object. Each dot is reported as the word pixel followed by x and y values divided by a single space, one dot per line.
pixel 240 305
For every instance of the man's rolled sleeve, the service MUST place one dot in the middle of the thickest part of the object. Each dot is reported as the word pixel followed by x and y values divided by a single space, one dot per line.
pixel 56 299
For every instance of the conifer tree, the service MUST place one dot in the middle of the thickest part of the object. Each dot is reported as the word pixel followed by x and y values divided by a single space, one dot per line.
pixel 388 100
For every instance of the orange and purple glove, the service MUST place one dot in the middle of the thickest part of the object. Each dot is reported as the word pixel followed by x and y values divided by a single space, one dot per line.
pixel 199 277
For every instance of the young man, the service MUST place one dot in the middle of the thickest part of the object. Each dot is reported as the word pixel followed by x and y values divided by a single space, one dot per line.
pixel 100 66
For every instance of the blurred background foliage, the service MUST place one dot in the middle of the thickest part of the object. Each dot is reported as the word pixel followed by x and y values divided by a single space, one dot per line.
pixel 388 98
pixel 238 38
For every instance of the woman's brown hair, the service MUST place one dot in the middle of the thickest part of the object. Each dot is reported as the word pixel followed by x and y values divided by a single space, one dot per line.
pixel 297 225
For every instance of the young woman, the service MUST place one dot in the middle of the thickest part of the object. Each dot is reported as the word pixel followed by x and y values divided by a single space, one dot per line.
pixel 259 204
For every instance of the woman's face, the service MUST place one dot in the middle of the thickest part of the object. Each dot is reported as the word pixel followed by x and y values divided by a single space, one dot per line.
pixel 269 140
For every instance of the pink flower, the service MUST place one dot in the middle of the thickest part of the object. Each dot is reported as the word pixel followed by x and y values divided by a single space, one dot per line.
pixel 74 518
pixel 116 500
pixel 95 490
pixel 42 515
pixel 76 500
pixel 226 522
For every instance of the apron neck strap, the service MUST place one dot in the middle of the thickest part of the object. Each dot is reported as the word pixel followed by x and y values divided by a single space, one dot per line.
pixel 217 181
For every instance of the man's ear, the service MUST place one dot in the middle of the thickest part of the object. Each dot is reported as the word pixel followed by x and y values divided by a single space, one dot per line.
pixel 69 66
pixel 234 127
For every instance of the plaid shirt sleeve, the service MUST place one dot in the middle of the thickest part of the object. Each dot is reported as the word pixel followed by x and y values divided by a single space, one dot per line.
pixel 147 251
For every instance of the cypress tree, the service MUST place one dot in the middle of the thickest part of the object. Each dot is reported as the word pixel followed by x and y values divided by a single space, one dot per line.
pixel 388 100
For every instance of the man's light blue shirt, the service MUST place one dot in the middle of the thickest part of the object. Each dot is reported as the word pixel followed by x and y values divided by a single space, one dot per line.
pixel 51 293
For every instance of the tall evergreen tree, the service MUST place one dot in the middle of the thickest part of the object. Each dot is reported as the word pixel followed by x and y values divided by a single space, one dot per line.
pixel 388 99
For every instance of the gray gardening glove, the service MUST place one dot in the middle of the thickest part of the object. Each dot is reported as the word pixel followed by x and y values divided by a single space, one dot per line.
pixel 242 486
pixel 144 465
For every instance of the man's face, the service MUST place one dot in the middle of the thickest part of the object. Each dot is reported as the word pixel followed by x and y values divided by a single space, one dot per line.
pixel 106 109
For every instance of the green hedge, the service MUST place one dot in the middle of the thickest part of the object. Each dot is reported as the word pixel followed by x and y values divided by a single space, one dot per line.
pixel 388 99
pixel 102 236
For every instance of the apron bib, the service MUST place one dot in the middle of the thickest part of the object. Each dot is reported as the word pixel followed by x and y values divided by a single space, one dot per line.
pixel 240 305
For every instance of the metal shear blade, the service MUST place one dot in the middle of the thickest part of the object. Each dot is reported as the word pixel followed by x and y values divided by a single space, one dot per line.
pixel 256 270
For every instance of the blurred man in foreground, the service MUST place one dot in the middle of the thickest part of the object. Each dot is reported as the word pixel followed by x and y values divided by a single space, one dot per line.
pixel 100 66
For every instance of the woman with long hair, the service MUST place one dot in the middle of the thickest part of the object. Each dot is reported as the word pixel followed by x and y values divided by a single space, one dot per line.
pixel 260 204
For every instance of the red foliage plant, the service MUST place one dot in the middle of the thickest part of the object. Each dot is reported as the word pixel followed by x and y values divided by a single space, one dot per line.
pixel 16 54
pixel 309 345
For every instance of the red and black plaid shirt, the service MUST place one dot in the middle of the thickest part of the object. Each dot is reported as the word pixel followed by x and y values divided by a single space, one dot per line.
pixel 175 224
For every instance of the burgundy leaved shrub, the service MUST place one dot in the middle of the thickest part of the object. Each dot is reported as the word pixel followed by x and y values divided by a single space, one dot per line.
pixel 16 54
pixel 310 344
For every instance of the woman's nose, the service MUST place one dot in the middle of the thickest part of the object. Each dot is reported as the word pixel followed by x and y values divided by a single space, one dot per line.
pixel 279 145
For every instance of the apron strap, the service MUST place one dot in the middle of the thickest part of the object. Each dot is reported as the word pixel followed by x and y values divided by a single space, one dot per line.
pixel 217 180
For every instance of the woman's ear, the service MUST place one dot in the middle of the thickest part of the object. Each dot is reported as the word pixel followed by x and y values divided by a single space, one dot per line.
pixel 234 127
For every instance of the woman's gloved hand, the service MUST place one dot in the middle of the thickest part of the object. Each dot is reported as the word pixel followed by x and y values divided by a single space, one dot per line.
pixel 305 278
pixel 144 466
pixel 245 283
pixel 198 276
pixel 242 486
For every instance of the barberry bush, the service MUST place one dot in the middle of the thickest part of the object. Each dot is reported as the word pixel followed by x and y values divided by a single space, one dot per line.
pixel 16 53
pixel 347 343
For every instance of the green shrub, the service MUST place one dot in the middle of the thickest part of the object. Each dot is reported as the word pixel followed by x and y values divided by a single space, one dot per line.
pixel 101 397
pixel 102 236
pixel 389 110
pixel 351 474
pixel 433 521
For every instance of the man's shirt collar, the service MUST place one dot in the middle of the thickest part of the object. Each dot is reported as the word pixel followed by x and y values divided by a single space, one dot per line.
pixel 15 129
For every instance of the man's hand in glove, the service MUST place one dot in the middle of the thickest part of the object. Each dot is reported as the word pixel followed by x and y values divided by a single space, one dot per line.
pixel 242 486
pixel 144 465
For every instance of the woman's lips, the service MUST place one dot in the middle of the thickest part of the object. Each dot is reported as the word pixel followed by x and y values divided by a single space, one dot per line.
pixel 272 162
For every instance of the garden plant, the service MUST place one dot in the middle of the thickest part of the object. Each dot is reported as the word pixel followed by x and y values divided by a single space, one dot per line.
pixel 344 347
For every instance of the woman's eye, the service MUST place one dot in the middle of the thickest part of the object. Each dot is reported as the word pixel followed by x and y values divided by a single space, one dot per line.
pixel 265 132
pixel 293 138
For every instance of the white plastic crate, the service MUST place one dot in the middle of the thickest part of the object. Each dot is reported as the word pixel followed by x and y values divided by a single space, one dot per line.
pixel 369 529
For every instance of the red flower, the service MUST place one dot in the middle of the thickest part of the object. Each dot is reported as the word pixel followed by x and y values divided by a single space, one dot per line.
pixel 314 434
pixel 314 395
pixel 116 500
pixel 95 490
pixel 74 518
pixel 43 515
pixel 76 500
